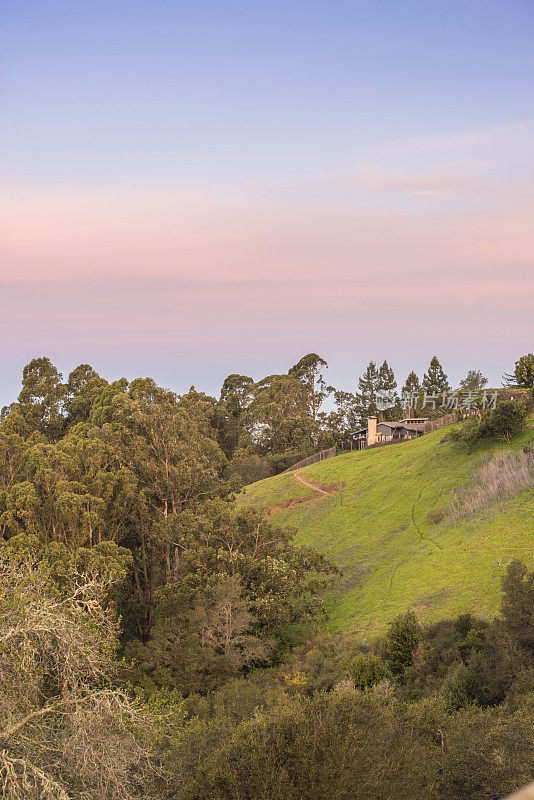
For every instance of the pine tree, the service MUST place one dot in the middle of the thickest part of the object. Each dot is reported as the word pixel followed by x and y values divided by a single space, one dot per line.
pixel 388 383
pixel 366 395
pixel 386 378
pixel 435 380
pixel 410 391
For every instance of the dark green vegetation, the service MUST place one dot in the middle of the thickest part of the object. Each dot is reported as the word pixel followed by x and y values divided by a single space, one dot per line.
pixel 441 712
pixel 159 639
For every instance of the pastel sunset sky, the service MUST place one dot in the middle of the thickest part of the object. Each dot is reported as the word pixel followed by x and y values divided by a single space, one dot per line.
pixel 205 187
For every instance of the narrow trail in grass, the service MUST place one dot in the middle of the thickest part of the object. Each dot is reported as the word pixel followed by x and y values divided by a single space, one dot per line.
pixel 298 477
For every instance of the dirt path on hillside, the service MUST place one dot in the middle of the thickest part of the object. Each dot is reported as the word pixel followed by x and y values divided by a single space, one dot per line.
pixel 298 477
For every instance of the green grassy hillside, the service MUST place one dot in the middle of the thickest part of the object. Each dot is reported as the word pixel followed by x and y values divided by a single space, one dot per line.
pixel 375 528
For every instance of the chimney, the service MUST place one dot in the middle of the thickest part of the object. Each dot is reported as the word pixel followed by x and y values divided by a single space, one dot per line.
pixel 371 431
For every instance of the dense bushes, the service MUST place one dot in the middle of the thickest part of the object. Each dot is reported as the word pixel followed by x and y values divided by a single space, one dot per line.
pixel 500 423
pixel 453 722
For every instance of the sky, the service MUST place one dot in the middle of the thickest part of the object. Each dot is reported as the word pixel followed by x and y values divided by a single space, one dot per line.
pixel 192 189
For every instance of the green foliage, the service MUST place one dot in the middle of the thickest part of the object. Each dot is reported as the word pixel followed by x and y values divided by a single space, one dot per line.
pixel 386 378
pixel 309 370
pixel 334 740
pixel 501 423
pixel 402 639
pixel 134 467
pixel 488 754
pixel 473 381
pixel 517 606
pixel 366 394
pixel 230 415
pixel 505 421
pixel 42 397
pixel 460 687
pixel 83 387
pixel 278 415
pixel 368 669
pixel 249 466
pixel 344 420
pixel 435 380
pixel 523 374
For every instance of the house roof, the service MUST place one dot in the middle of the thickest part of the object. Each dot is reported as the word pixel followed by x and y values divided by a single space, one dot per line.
pixel 408 426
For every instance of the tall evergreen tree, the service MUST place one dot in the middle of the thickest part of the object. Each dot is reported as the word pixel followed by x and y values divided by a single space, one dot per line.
pixel 411 389
pixel 412 383
pixel 435 380
pixel 366 395
pixel 41 400
pixel 83 386
pixel 386 378
pixel 309 370
pixel 231 418
pixel 388 383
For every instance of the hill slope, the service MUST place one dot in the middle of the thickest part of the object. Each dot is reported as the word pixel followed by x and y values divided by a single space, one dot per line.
pixel 374 526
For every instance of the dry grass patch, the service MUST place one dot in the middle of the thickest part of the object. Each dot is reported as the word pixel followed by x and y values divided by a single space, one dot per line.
pixel 501 477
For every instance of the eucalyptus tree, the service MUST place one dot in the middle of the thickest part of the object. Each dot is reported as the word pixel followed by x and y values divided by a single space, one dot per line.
pixel 177 469
pixel 42 398
pixel 279 416
pixel 344 419
pixel 84 386
pixel 236 395
pixel 310 371
pixel 75 491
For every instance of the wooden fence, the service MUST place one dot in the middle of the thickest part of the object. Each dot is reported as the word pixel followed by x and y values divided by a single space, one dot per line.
pixel 320 456
pixel 441 422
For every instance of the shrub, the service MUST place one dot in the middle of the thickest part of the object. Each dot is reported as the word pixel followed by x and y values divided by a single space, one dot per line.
pixel 401 642
pixel 436 515
pixel 278 462
pixel 366 670
pixel 517 606
pixel 505 421
pixel 249 467
pixel 501 423
pixel 459 687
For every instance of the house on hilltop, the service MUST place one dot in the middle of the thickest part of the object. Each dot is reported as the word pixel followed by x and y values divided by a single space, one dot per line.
pixel 388 432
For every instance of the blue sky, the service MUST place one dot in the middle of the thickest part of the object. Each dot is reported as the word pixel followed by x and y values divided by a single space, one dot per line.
pixel 191 187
